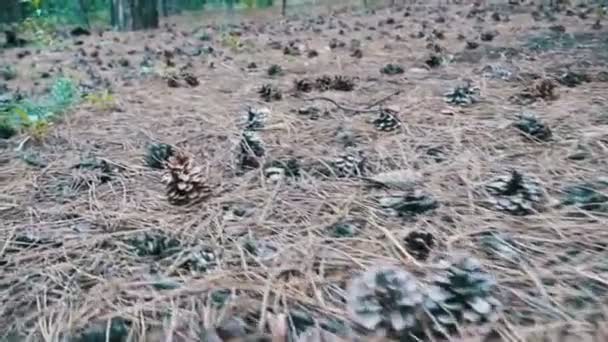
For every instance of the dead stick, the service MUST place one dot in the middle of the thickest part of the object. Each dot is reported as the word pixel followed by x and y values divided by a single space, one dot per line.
pixel 347 109
pixel 384 99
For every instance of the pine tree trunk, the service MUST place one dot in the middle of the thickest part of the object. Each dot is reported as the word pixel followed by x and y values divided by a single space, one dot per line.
pixel 10 11
pixel 131 15
pixel 163 9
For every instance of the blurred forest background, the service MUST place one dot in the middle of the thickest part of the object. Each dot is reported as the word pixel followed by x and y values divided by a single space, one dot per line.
pixel 88 12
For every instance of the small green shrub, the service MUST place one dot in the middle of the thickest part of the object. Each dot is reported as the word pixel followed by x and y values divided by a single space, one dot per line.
pixel 34 116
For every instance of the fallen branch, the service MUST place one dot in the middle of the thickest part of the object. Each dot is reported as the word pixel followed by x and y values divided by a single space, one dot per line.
pixel 344 108
pixel 384 99
pixel 367 109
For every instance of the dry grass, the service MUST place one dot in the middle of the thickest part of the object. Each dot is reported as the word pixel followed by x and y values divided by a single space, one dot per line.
pixel 82 270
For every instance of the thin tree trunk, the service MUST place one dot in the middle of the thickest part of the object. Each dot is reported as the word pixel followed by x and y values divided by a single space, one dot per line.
pixel 84 12
pixel 131 15
pixel 284 8
pixel 163 10
pixel 10 11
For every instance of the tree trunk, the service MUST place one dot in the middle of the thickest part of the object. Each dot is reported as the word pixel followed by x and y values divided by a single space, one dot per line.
pixel 131 15
pixel 284 7
pixel 83 8
pixel 163 9
pixel 10 11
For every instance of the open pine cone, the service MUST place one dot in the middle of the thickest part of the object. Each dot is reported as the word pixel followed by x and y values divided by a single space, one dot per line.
pixel 184 180
pixel 515 193
pixel 385 298
pixel 461 294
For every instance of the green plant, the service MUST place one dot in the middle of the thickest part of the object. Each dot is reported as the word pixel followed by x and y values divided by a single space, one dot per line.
pixel 39 29
pixel 36 4
pixel 35 128
pixel 103 100
pixel 8 73
pixel 34 117
pixel 63 93
pixel 232 41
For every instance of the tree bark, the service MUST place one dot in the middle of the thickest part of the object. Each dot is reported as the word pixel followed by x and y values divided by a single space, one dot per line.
pixel 163 9
pixel 83 7
pixel 10 11
pixel 131 15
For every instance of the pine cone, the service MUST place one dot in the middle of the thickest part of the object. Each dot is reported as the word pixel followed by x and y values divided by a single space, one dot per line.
pixel 392 69
pixel 275 70
pixel 408 204
pixel 256 118
pixel 251 148
pixel 531 126
pixel 385 298
pixel 197 259
pixel 279 169
pixel 348 165
pixel 342 83
pixel 419 244
pixel 304 85
pixel 462 95
pixel 543 88
pixel 157 154
pixel 589 196
pixel 190 79
pixel 515 193
pixel 315 334
pixel 270 93
pixel 461 294
pixel 323 83
pixel 387 121
pixel 184 180
pixel 572 79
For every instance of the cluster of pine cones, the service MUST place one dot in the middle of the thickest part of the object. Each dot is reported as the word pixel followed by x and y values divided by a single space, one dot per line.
pixel 325 83
pixel 391 301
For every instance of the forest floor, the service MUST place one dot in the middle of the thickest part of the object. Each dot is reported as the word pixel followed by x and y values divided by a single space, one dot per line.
pixel 87 233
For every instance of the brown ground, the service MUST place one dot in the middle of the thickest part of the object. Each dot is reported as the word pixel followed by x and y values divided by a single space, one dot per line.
pixel 82 270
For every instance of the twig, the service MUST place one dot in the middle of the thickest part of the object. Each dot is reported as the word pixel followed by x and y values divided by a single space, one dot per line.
pixel 22 144
pixel 384 99
pixel 346 109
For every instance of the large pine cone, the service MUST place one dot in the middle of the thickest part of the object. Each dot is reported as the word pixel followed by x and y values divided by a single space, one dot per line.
pixel 184 180
pixel 385 298
pixel 462 294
